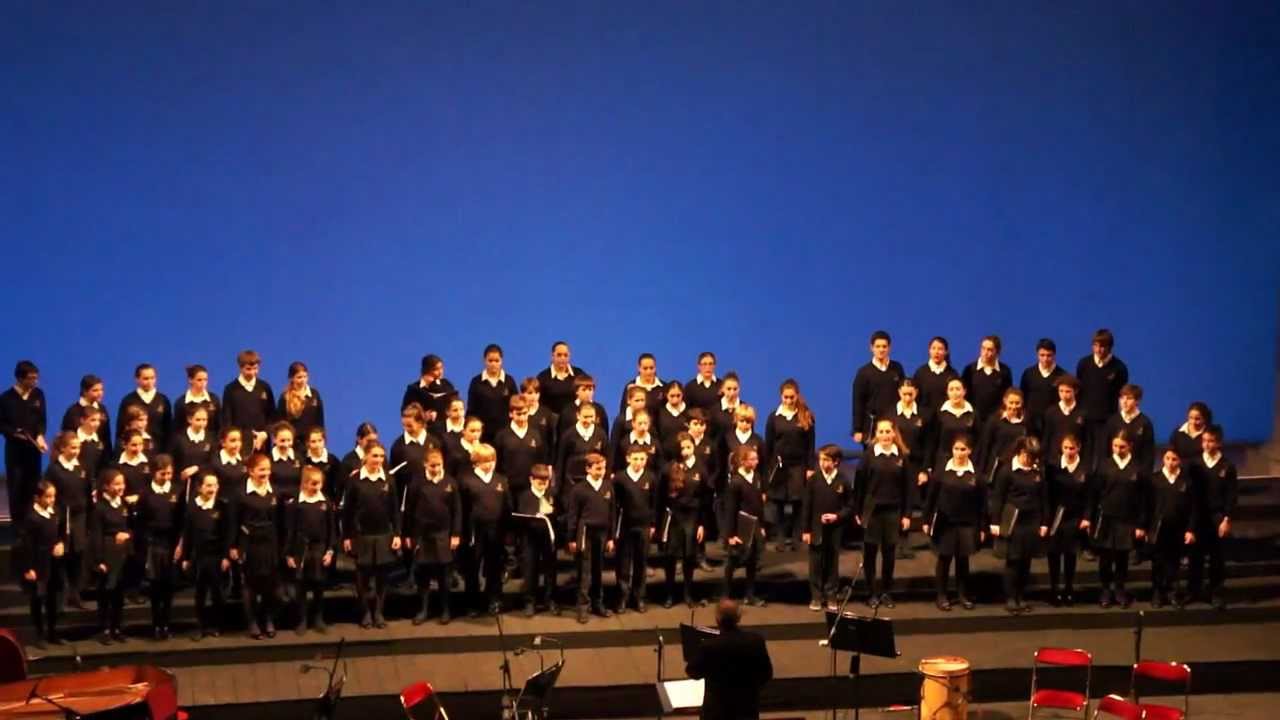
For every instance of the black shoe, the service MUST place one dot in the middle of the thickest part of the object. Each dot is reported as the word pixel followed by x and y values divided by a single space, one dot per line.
pixel 640 607
pixel 1157 600
pixel 582 614
pixel 1124 599
pixel 622 608
pixel 301 630
pixel 966 603
pixel 54 639
pixel 1011 607
pixel 495 608
pixel 1068 599
pixel 756 601
pixel 1106 599
pixel 1179 601
pixel 214 633
pixel 528 609
pixel 887 600
pixel 105 637
pixel 40 644
pixel 944 604
pixel 1023 607
pixel 445 617
pixel 379 621
pixel 1219 601
pixel 603 611
pixel 473 613
pixel 704 565
pixel 553 608
pixel 668 603
pixel 421 617
pixel 1055 600
pixel 118 635
pixel 270 629
pixel 873 601
pixel 158 634
pixel 366 621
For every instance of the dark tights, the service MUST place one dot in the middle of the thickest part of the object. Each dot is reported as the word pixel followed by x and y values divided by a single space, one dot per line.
pixel 943 569
pixel 1113 567
pixel 1017 573
pixel 887 554
pixel 375 601
pixel 1062 571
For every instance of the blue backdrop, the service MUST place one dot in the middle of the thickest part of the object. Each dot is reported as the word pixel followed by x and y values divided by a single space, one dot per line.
pixel 354 185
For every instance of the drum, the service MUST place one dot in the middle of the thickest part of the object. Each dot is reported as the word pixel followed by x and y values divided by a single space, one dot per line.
pixel 944 692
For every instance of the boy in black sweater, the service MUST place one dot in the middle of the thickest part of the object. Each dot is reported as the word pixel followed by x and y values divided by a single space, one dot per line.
pixel 591 518
pixel 248 401
pixel 520 446
pixel 23 417
pixel 584 387
pixel 539 556
pixel 637 496
pixel 875 387
pixel 1039 383
pixel 1217 488
pixel 91 393
pixel 540 416
pixel 486 499
pixel 1101 375
pixel 825 512
pixel 1132 420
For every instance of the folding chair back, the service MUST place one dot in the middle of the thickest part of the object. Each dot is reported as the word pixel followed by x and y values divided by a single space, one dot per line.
pixel 1114 706
pixel 1060 698
pixel 420 702
pixel 1169 675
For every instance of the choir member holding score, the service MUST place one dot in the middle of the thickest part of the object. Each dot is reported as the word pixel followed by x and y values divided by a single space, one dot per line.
pixel 192 448
pixel 539 542
pixel 1172 519
pixel 1020 518
pixel 432 391
pixel 159 524
pixel 1116 516
pixel 955 517
pixel 74 484
pixel 1068 480
pixel 636 492
pixel 39 556
pixel 23 417
pixel 255 546
pixel 684 500
pixel 311 537
pixel 744 532
pixel 789 443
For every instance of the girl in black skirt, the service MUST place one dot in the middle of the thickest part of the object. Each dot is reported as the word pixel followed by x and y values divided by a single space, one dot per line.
pixel 672 419
pixel 205 537
pixel 686 494
pixel 1022 501
pixel 956 417
pixel 366 437
pixel 192 449
pixel 311 534
pixel 255 546
pixel 954 515
pixel 318 456
pixel 1068 492
pixel 1000 433
pixel 198 394
pixel 92 455
pixel 41 548
pixel 300 404
pixel 371 529
pixel 159 528
pixel 110 547
pixel 286 469
pixel 133 463
pixel 1116 494
pixel 789 450
pixel 433 531
pixel 73 484
pixel 912 421
pixel 1186 439
pixel 228 465
pixel 882 490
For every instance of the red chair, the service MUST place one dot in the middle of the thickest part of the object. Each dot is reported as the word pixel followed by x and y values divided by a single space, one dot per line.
pixel 1169 674
pixel 1056 698
pixel 416 696
pixel 13 657
pixel 1114 706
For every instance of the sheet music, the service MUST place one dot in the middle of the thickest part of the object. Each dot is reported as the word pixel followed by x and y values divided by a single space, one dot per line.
pixel 666 525
pixel 683 694
pixel 545 520
pixel 1057 520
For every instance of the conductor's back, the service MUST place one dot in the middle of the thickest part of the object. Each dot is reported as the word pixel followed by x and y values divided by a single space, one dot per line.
pixel 735 666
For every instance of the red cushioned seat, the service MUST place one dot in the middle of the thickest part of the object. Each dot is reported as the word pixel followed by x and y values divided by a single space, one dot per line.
pixel 1063 699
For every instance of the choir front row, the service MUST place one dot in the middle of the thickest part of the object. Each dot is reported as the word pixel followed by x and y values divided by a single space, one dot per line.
pixel 273 537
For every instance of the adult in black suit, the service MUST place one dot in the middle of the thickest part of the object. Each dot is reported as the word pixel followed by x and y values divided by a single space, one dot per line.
pixel 735 666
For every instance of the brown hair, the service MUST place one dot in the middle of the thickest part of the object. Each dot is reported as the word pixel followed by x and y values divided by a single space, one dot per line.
pixel 530 383
pixel 675 479
pixel 518 402
pixel 248 357
pixel 740 453
pixel 294 402
pixel 62 440
pixel 804 416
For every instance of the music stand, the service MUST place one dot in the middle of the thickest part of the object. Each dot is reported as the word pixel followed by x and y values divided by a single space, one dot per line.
pixel 859 635
pixel 684 694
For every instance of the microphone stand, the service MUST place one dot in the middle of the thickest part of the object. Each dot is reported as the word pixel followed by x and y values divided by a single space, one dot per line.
pixel 508 708
pixel 855 663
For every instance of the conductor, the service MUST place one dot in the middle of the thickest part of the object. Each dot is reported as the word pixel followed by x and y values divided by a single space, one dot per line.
pixel 735 666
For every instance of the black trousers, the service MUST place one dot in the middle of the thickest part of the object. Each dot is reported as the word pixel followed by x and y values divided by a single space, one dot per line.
pixel 440 573
pixel 633 550
pixel 746 556
pixel 943 570
pixel 1113 569
pixel 21 473
pixel 1207 546
pixel 538 565
pixel 591 568
pixel 110 604
pixel 1165 561
pixel 209 589
pixel 484 558
pixel 824 561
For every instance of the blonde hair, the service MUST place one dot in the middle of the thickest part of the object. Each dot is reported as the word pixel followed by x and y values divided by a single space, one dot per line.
pixel 484 452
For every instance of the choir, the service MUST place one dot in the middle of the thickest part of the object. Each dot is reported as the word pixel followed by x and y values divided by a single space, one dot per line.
pixel 242 490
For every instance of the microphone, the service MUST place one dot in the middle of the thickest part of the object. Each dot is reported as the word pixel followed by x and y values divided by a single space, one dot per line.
pixel 519 651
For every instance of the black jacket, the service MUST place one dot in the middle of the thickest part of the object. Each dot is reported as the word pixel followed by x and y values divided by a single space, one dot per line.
pixel 735 666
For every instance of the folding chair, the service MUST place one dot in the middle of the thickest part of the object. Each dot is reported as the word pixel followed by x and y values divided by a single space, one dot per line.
pixel 414 701
pixel 1169 674
pixel 13 657
pixel 1114 706
pixel 1057 698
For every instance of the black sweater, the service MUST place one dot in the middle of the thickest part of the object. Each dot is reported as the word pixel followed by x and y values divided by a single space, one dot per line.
pixel 435 396
pixel 875 393
pixel 998 438
pixel 821 498
pixel 668 426
pixel 1141 433
pixel 1218 487
pixel 1025 490
pixel 1055 425
pixel 371 508
pixel 636 499
pixel 1172 507
pixel 250 411
pixel 697 395
pixel 596 510
pixel 572 453
pixel 71 420
pixel 785 439
pixel 160 514
pixel 1069 489
pixel 485 504
pixel 1039 393
pixel 205 532
pixel 986 391
pixel 654 397
pixel 30 416
pixel 959 499
pixel 517 455
pixel 309 523
pixel 933 385
pixel 743 495
pixel 555 393
pixel 159 415
pixel 492 404
pixel 311 415
pixel 1100 386
pixel 882 481
pixel 433 509
pixel 569 417
pixel 1118 493
pixel 948 426
pixel 213 407
pixel 73 486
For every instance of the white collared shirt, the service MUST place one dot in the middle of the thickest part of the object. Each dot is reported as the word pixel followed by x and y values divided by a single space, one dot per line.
pixel 637 440
pixel 988 369
pixel 46 513
pixel 1122 464
pixel 380 476
pixel 689 462
pixel 1066 409
pixel 278 455
pixel 830 478
pixel 705 383
pixel 248 385
pixel 959 469
pixel 743 437
pixel 1171 478
pixel 193 436
pixel 435 480
pixel 75 463
pixel 1186 428
pixel 200 503
pixel 905 411
pixel 359 451
pixel 966 408
pixel 85 403
pixel 468 447
pixel 636 476
pixel 193 399
pixel 584 432
pixel 323 457
pixel 937 369
pixel 1046 373
pixel 876 364
pixel 305 392
pixel 228 459
pixel 146 395
pixel 450 427
pixel 1101 362
pixel 161 489
pixel 893 450
pixel 135 462
pixel 568 372
pixel 724 404
pixel 1129 418
pixel 21 394
pixel 640 383
pixel 1016 421
pixel 1016 464
pixel 86 438
pixel 305 498
pixel 594 483
pixel 675 411
pixel 494 381
pixel 251 489
pixel 114 502
pixel 520 432
pixel 1070 467
pixel 420 438
pixel 784 412
pixel 1210 462
pixel 485 477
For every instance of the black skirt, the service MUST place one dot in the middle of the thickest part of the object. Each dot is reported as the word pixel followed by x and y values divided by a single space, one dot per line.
pixel 48 579
pixel 955 540
pixel 682 537
pixel 374 551
pixel 159 560
pixel 311 566
pixel 261 554
pixel 114 556
pixel 1114 535
pixel 432 549
pixel 788 484
pixel 1069 538
pixel 1023 543
pixel 78 529
pixel 883 527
